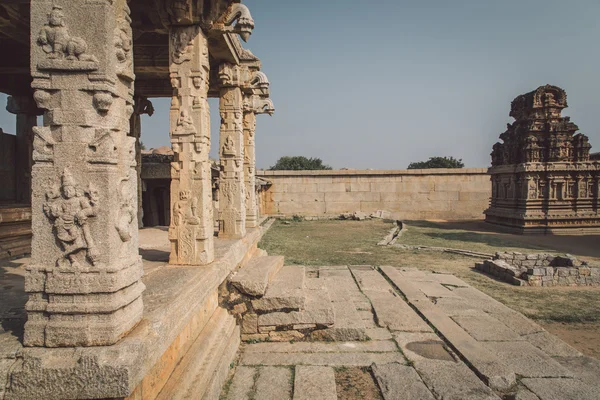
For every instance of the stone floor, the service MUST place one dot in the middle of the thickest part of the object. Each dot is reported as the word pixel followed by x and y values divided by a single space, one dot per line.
pixel 429 336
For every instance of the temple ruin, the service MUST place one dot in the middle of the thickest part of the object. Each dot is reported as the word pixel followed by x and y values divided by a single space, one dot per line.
pixel 543 180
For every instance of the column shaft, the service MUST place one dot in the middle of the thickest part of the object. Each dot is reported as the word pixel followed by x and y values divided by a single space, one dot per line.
pixel 191 230
pixel 232 197
pixel 250 170
pixel 84 280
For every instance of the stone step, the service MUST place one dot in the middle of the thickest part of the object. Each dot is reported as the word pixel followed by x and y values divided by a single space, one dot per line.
pixel 254 278
pixel 204 368
pixel 286 292
pixel 314 382
pixel 318 311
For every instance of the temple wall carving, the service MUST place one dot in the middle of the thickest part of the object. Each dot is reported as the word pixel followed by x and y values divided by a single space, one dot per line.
pixel 542 177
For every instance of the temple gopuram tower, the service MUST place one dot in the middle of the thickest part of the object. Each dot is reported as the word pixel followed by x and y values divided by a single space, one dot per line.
pixel 543 180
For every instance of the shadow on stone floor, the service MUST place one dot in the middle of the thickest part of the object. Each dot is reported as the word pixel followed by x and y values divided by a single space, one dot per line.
pixel 154 255
pixel 12 300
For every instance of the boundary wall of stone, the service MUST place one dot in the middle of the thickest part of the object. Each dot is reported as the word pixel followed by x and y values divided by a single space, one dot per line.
pixel 451 194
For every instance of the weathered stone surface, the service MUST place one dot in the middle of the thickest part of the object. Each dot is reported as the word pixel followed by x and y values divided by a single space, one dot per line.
pixel 551 345
pixel 313 382
pixel 143 360
pixel 192 375
pixel 434 289
pixel 453 380
pixel 400 381
pixel 393 313
pixel 376 346
pixel 586 369
pixel 254 278
pixel 274 383
pixel 242 383
pixel 418 346
pixel 324 316
pixel 560 389
pixel 378 333
pixel 250 323
pixel 484 327
pixel 285 292
pixel 328 359
pixel 527 360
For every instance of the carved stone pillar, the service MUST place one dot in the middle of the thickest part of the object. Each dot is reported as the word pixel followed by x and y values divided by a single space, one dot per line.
pixel 191 229
pixel 250 169
pixel 26 111
pixel 84 281
pixel 142 106
pixel 232 198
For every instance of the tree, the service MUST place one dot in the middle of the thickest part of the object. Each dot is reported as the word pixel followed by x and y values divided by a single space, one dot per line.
pixel 437 162
pixel 142 145
pixel 297 163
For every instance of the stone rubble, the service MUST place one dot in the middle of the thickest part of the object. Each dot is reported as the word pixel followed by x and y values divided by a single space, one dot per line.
pixel 540 270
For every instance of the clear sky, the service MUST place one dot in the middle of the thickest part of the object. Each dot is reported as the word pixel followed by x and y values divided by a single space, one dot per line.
pixel 378 84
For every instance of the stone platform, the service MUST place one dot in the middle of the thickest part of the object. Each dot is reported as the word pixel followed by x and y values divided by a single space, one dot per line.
pixel 428 336
pixel 181 316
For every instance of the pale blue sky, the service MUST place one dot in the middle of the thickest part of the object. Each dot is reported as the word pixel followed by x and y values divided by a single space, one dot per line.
pixel 378 84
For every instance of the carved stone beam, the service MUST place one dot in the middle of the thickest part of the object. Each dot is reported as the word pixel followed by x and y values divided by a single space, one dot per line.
pixel 240 15
pixel 259 105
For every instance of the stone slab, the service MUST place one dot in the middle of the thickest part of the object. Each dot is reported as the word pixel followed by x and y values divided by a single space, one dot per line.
pixel 326 359
pixel 488 364
pixel 453 380
pixel 377 346
pixel 242 383
pixel 484 327
pixel 527 360
pixel 314 383
pixel 323 316
pixel 561 389
pixel 552 345
pixel 419 346
pixel 285 291
pixel 378 333
pixel 586 369
pixel 434 289
pixel 369 279
pixel 515 320
pixel 394 313
pixel 398 381
pixel 274 383
pixel 447 279
pixel 254 278
pixel 401 281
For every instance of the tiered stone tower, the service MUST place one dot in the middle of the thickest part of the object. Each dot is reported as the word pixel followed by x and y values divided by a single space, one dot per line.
pixel 542 178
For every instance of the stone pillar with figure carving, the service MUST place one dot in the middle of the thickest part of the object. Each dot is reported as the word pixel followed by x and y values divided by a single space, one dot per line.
pixel 256 101
pixel 232 197
pixel 26 112
pixel 250 169
pixel 191 231
pixel 84 280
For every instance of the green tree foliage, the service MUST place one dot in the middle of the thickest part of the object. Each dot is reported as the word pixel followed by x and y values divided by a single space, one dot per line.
pixel 297 163
pixel 437 162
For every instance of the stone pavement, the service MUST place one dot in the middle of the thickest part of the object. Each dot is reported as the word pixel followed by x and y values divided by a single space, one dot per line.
pixel 428 336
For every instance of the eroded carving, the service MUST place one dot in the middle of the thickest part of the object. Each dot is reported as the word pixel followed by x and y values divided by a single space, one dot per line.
pixel 64 51
pixel 127 211
pixel 70 208
pixel 185 124
pixel 103 149
pixel 43 144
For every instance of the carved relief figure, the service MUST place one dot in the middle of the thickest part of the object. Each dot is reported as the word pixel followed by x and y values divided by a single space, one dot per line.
pixel 185 210
pixel 228 146
pixel 185 124
pixel 127 211
pixel 58 44
pixel 69 209
pixel 181 46
pixel 533 189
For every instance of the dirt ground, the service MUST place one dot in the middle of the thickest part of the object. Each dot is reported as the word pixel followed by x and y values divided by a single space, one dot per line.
pixel 355 383
pixel 572 313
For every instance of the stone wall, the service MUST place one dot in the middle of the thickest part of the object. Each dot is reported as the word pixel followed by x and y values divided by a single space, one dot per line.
pixel 407 194
pixel 540 270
